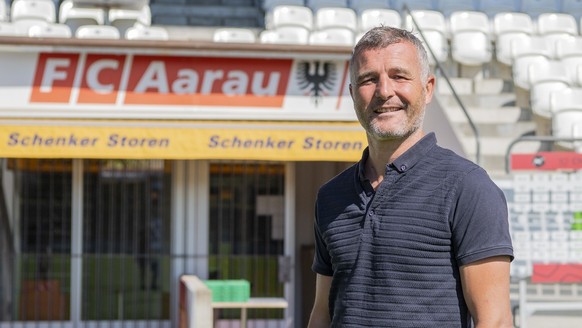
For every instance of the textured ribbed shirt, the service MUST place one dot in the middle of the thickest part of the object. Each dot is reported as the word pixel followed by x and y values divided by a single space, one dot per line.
pixel 395 253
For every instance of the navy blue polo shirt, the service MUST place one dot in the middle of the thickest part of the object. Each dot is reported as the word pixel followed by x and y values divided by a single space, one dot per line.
pixel 394 254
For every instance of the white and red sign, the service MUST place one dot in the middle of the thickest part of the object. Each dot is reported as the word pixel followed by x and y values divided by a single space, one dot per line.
pixel 85 84
pixel 555 160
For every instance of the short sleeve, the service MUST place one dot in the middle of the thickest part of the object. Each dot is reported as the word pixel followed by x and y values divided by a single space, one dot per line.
pixel 480 224
pixel 321 260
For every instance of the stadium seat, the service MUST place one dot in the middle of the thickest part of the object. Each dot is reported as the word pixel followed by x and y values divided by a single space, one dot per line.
pixel 3 11
pixel 535 8
pixel 74 15
pixel 434 30
pixel 50 31
pixel 147 33
pixel 524 52
pixel 289 16
pixel 333 37
pixel 268 5
pixel 97 32
pixel 124 18
pixel 574 64
pixel 10 29
pixel 566 115
pixel 370 18
pixel 285 35
pixel 42 10
pixel 233 34
pixel 333 17
pixel 506 27
pixel 447 7
pixel 568 46
pixel 412 4
pixel 315 5
pixel 556 23
pixel 470 41
pixel 544 77
pixel 360 5
pixel 493 7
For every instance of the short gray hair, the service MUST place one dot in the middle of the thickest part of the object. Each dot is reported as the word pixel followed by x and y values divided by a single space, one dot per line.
pixel 382 37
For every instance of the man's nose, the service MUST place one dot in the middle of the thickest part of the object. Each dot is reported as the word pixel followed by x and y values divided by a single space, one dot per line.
pixel 384 88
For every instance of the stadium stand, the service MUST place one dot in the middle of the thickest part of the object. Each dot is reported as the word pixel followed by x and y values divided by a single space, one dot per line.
pixel 235 35
pixel 97 32
pixel 75 15
pixel 434 30
pixel 3 11
pixel 286 15
pixel 376 17
pixel 50 31
pixel 470 38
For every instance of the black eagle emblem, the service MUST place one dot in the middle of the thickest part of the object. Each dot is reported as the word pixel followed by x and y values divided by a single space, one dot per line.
pixel 317 78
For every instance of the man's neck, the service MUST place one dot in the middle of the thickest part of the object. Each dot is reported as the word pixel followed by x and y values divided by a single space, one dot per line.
pixel 384 152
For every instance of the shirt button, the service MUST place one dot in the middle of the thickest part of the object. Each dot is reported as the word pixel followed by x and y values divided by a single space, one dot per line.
pixel 402 167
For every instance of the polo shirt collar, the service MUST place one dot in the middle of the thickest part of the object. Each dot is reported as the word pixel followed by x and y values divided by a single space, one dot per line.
pixel 405 161
pixel 415 153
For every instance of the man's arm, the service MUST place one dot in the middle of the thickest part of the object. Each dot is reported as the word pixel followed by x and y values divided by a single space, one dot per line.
pixel 486 291
pixel 320 313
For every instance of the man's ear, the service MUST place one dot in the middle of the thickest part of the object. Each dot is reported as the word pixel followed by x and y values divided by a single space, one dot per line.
pixel 430 84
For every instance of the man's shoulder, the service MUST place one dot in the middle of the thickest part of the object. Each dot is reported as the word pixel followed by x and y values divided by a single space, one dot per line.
pixel 343 180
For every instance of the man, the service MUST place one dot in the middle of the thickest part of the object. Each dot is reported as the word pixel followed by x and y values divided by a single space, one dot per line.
pixel 412 235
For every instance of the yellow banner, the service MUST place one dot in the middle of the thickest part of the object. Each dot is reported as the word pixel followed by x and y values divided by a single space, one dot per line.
pixel 278 141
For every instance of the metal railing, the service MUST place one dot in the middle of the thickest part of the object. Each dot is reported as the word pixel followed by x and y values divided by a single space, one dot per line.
pixel 444 74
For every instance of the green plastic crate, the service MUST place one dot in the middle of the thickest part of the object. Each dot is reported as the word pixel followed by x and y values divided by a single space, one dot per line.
pixel 229 290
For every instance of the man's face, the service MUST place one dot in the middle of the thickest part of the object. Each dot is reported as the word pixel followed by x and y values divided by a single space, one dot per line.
pixel 388 92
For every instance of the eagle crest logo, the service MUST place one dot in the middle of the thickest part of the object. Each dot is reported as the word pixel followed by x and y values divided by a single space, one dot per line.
pixel 316 79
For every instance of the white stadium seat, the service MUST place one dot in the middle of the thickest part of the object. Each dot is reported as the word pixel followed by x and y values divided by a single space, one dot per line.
pixel 524 52
pixel 3 11
pixel 470 37
pixel 333 37
pixel 97 32
pixel 50 31
pixel 315 5
pixel 568 46
pixel 574 64
pixel 285 35
pixel 124 18
pixel 566 114
pixel 10 29
pixel 361 5
pixel 434 29
pixel 289 16
pixel 557 23
pixel 43 10
pixel 333 17
pixel 544 78
pixel 506 27
pixel 233 34
pixel 75 15
pixel 147 33
pixel 370 18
